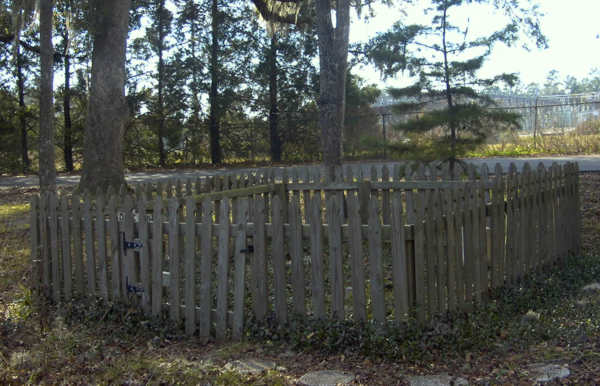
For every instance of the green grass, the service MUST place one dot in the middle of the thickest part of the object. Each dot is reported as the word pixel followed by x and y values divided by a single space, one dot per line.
pixel 567 144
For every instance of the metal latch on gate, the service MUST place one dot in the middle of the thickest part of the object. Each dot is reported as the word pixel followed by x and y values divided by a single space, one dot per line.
pixel 135 244
pixel 248 249
pixel 132 288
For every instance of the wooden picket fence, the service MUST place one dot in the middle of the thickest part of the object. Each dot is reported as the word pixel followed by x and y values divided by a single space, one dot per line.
pixel 386 247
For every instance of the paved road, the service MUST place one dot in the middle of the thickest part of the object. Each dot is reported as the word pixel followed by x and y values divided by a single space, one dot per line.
pixel 586 163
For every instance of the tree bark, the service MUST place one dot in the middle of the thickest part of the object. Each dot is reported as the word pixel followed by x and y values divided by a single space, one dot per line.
pixel 162 157
pixel 195 124
pixel 25 162
pixel 449 100
pixel 273 102
pixel 107 110
pixel 333 65
pixel 47 167
pixel 213 97
pixel 68 134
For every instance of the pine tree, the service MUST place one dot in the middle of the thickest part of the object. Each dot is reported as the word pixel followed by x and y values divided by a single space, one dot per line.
pixel 285 77
pixel 47 171
pixel 445 60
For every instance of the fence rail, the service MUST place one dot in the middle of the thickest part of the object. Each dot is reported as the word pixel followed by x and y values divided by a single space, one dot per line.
pixel 407 244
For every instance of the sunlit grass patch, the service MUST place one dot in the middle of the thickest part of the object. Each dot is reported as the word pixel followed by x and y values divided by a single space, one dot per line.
pixel 14 209
pixel 13 217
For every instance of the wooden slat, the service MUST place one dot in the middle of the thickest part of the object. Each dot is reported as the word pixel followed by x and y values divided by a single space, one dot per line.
pixel 525 212
pixel 364 197
pixel 336 278
pixel 174 262
pixel 519 231
pixel 157 257
pixel 534 220
pixel 239 296
pixel 54 252
pixel 479 257
pixel 305 176
pixel 222 271
pixel 34 239
pixel 278 262
pixel 145 275
pixel 552 212
pixel 468 264
pixel 452 259
pixel 259 266
pixel 190 265
pixel 102 260
pixel 129 277
pixel 77 245
pixel 482 272
pixel 206 269
pixel 441 252
pixel 116 240
pixel 431 254
pixel 316 256
pixel 297 255
pixel 543 221
pixel 386 196
pixel 410 249
pixel 66 249
pixel 90 262
pixel 375 264
pixel 358 274
pixel 502 222
pixel 399 261
pixel 419 248
pixel 459 199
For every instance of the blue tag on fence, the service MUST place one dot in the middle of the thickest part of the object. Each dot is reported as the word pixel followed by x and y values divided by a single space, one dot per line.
pixel 135 244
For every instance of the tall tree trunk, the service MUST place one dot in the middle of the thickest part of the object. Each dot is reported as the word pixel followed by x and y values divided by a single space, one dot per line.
pixel 107 109
pixel 213 97
pixel 47 157
pixel 68 134
pixel 273 102
pixel 333 65
pixel 25 163
pixel 162 157
pixel 195 124
pixel 449 100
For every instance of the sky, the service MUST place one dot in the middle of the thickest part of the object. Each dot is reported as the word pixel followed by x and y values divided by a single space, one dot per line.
pixel 571 26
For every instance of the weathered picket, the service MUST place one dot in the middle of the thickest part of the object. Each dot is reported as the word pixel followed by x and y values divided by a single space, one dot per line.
pixel 375 245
